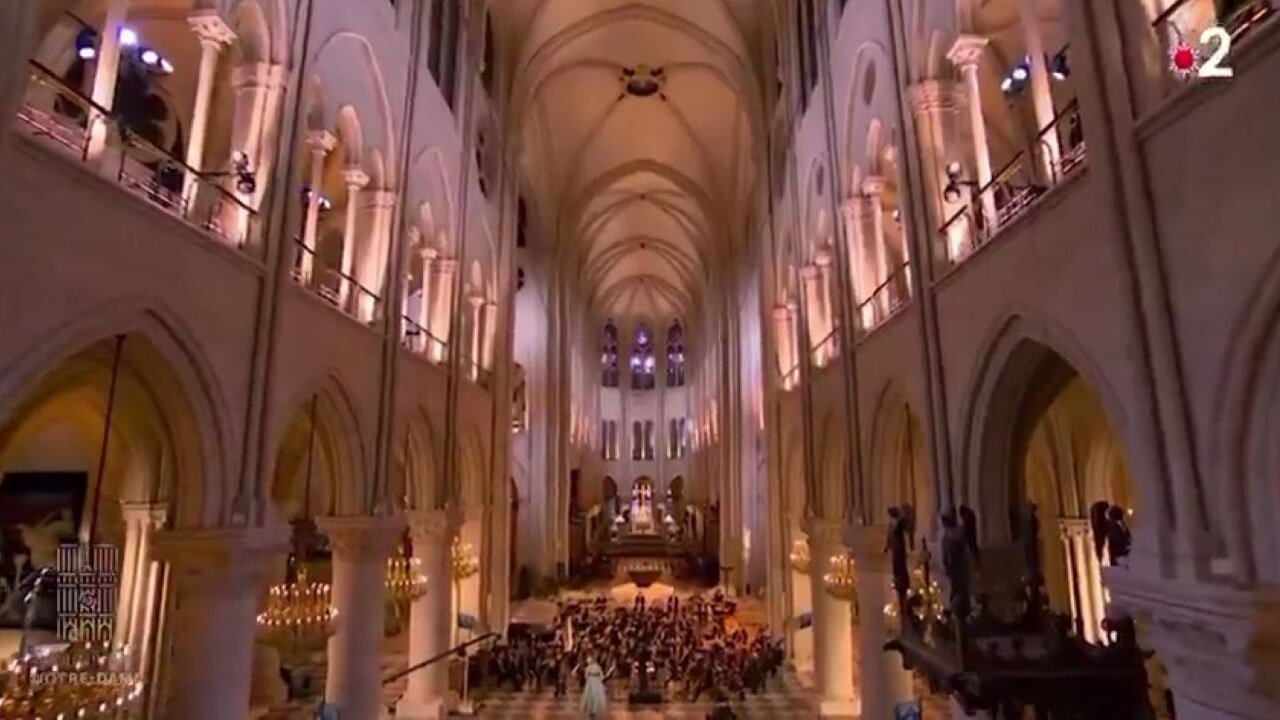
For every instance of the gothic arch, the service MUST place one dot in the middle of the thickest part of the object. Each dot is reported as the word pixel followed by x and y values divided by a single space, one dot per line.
pixel 333 446
pixel 171 368
pixel 899 461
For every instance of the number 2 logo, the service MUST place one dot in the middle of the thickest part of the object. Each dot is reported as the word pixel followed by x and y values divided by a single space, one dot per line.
pixel 1220 39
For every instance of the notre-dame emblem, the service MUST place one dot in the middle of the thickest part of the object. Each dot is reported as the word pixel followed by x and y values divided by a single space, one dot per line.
pixel 87 578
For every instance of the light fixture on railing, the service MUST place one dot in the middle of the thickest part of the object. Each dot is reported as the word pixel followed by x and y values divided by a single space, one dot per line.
pixel 955 180
pixel 128 37
pixel 1060 67
pixel 87 44
pixel 323 203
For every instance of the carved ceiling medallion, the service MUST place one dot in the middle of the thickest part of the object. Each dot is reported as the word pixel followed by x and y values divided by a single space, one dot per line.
pixel 643 81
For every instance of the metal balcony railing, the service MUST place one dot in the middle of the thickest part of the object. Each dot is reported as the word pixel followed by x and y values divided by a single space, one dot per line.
pixel 1057 152
pixel 827 349
pixel 344 292
pixel 417 338
pixel 885 300
pixel 62 116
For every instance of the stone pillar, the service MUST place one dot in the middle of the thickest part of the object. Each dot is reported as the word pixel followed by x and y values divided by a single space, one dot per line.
pixel 793 337
pixel 881 678
pixel 258 89
pixel 490 317
pixel 321 143
pixel 140 578
pixel 216 578
pixel 213 32
pixel 782 340
pixel 1047 149
pixel 430 618
pixel 442 306
pixel 106 71
pixel 361 546
pixel 811 278
pixel 852 212
pixel 17 40
pixel 824 259
pixel 371 269
pixel 966 54
pixel 1219 644
pixel 474 334
pixel 934 104
pixel 424 309
pixel 356 179
pixel 873 190
pixel 832 628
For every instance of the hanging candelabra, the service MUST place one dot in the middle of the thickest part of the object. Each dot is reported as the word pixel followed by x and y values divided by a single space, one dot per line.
pixel 839 579
pixel 800 561
pixel 299 616
pixel 405 580
pixel 82 676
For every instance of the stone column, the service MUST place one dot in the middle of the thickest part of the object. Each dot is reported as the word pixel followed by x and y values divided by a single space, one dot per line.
pixel 442 306
pixel 361 546
pixel 883 682
pixel 140 575
pixel 832 627
pixel 490 316
pixel 475 320
pixel 1047 149
pixel 934 104
pixel 216 578
pixel 412 245
pixel 852 212
pixel 873 190
pixel 17 40
pixel 824 259
pixel 213 32
pixel 371 255
pixel 356 179
pixel 1220 645
pixel 966 54
pixel 321 143
pixel 106 71
pixel 429 618
pixel 258 89
pixel 793 336
pixel 811 278
pixel 424 309
pixel 782 340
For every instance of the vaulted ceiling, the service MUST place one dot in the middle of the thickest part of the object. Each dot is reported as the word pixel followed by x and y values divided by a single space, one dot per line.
pixel 639 126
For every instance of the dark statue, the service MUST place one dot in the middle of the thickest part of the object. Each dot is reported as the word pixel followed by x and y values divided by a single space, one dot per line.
pixel 969 524
pixel 1111 535
pixel 956 564
pixel 898 545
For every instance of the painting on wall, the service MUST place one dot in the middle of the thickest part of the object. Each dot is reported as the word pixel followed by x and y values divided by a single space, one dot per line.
pixel 38 512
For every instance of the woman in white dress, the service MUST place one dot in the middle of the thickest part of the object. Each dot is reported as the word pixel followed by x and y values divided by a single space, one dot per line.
pixel 595 700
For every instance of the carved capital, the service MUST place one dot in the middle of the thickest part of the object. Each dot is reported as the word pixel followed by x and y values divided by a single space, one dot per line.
pixel 824 257
pixel 854 209
pixel 379 199
pixel 933 95
pixel 153 514
pixel 210 28
pixel 810 273
pixel 321 142
pixel 355 178
pixel 873 186
pixel 221 560
pixel 433 527
pixel 363 537
pixel 867 542
pixel 967 50
pixel 429 254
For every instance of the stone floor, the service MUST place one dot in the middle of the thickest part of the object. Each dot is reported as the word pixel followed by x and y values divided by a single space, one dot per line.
pixel 786 701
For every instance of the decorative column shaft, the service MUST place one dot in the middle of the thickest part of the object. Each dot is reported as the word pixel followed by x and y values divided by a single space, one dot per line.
pixel 490 316
pixel 824 259
pixel 140 575
pixel 934 103
pixel 442 306
pixel 424 309
pixel 873 189
pixel 355 179
pixel 966 54
pixel 811 277
pixel 475 321
pixel 216 579
pixel 429 618
pixel 1041 92
pixel 213 32
pixel 782 340
pixel 361 546
pixel 852 212
pixel 371 255
pixel 832 627
pixel 321 143
pixel 882 680
pixel 106 71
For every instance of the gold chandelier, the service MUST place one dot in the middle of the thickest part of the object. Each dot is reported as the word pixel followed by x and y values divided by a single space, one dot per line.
pixel 839 581
pixel 405 580
pixel 800 561
pixel 463 560
pixel 299 616
pixel 83 680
